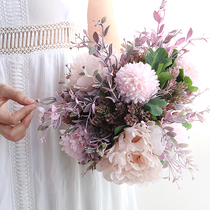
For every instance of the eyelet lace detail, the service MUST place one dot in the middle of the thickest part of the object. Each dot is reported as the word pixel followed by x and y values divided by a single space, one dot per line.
pixel 27 39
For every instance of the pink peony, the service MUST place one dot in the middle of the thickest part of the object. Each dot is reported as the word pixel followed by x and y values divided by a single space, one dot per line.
pixel 88 64
pixel 189 70
pixel 132 160
pixel 136 82
pixel 74 144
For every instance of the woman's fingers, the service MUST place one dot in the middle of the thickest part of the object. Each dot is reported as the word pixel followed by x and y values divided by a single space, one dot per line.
pixel 8 118
pixel 7 92
pixel 18 132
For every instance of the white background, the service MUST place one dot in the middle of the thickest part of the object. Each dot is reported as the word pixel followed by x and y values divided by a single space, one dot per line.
pixel 134 15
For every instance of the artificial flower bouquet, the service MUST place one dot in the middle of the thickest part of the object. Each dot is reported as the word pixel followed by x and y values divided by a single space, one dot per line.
pixel 127 116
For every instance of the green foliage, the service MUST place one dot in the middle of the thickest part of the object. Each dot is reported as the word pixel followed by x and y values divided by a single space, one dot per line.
pixel 163 162
pixel 119 129
pixel 160 56
pixel 154 106
pixel 182 78
pixel 163 77
pixel 159 61
pixel 187 125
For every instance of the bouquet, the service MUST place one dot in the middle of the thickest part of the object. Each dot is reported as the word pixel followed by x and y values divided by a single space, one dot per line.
pixel 127 116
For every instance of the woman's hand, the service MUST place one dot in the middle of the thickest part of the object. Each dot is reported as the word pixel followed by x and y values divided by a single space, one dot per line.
pixel 13 125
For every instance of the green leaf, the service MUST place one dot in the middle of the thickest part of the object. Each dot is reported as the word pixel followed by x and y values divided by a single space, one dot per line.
pixel 103 19
pixel 92 50
pixel 99 78
pixel 192 89
pixel 163 78
pixel 119 129
pixel 154 106
pixel 102 94
pixel 159 102
pixel 82 73
pixel 163 162
pixel 188 81
pixel 160 68
pixel 187 125
pixel 160 56
pixel 95 72
pixel 180 78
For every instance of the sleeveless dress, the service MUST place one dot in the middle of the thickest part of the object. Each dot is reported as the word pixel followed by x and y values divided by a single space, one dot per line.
pixel 35 36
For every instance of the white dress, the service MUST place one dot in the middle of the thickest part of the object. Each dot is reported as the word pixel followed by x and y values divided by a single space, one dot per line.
pixel 35 37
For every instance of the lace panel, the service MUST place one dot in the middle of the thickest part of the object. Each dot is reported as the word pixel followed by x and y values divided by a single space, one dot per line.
pixel 13 13
pixel 27 39
pixel 20 152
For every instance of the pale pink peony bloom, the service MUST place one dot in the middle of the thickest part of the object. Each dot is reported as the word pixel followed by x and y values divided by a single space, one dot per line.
pixel 181 132
pixel 189 70
pixel 132 160
pixel 75 143
pixel 136 82
pixel 88 64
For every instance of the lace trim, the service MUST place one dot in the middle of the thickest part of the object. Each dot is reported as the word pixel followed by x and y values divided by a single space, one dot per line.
pixel 27 39
pixel 20 152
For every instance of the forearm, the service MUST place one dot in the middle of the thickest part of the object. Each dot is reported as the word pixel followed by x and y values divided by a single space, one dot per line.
pixel 97 9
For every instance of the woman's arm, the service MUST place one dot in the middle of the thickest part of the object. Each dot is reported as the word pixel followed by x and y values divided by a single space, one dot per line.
pixel 97 9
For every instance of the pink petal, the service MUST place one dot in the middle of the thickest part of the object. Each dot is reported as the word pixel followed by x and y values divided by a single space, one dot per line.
pixel 53 108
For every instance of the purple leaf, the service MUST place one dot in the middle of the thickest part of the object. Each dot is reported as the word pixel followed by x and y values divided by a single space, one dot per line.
pixel 157 17
pixel 42 127
pixel 161 28
pixel 189 34
pixel 153 37
pixel 106 30
pixel 95 37
pixel 102 63
pixel 102 42
pixel 93 108
pixel 180 41
pixel 85 32
pixel 57 123
pixel 110 49
pixel 87 108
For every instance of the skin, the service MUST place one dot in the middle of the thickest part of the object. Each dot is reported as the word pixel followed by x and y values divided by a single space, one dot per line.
pixel 13 126
pixel 96 11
